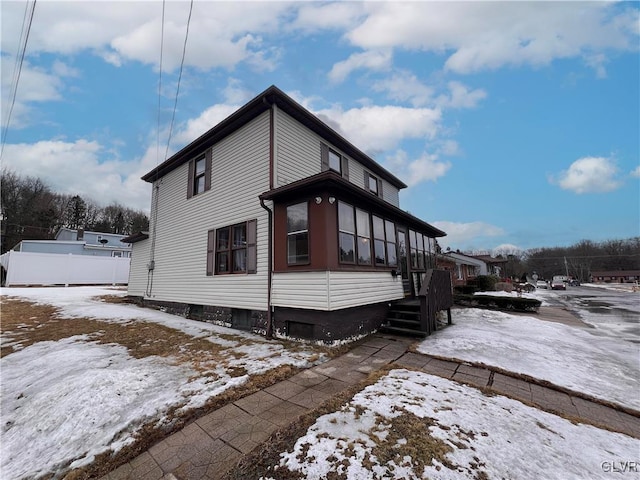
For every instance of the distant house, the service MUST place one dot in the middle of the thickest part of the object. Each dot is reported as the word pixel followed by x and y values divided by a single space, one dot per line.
pixel 272 221
pixel 74 257
pixel 466 267
pixel 618 276
pixel 495 265
pixel 79 242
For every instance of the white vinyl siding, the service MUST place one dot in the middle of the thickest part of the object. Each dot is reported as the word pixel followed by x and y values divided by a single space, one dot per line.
pixel 138 268
pixel 297 150
pixel 352 289
pixel 334 290
pixel 298 156
pixel 301 290
pixel 240 173
pixel 356 176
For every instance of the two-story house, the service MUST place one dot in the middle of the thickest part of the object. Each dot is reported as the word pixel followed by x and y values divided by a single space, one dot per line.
pixel 274 222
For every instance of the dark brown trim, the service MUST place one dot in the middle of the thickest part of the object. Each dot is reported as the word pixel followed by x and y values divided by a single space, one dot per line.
pixel 271 145
pixel 342 189
pixel 207 169
pixel 324 157
pixel 211 251
pixel 252 235
pixel 192 169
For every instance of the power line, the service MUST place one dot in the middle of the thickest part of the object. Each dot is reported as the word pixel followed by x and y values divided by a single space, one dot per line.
pixel 175 105
pixel 17 77
pixel 160 83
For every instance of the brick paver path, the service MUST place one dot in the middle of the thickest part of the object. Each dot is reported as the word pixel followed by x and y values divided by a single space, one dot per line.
pixel 208 448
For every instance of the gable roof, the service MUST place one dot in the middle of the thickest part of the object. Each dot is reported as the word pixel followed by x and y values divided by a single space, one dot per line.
pixel 260 104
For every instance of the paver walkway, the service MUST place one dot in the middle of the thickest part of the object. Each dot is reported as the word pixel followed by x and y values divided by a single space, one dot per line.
pixel 211 445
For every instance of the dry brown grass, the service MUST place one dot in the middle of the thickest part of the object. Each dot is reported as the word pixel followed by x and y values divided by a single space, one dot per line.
pixel 25 323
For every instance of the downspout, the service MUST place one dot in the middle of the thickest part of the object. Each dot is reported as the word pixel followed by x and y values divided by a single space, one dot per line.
pixel 269 269
pixel 270 219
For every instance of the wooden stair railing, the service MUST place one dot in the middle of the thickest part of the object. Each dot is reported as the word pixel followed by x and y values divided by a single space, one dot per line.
pixel 436 294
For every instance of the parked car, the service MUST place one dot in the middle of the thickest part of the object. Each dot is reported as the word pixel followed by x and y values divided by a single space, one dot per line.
pixel 558 284
pixel 574 283
pixel 542 284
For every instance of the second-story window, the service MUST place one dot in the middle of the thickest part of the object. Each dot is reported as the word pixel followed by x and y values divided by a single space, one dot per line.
pixel 298 234
pixel 335 162
pixel 199 180
pixel 199 176
pixel 332 160
pixel 373 184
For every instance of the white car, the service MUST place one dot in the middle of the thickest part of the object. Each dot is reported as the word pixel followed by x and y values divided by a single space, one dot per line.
pixel 541 284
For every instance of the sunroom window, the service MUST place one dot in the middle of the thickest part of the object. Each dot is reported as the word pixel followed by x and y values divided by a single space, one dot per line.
pixel 347 232
pixel 298 233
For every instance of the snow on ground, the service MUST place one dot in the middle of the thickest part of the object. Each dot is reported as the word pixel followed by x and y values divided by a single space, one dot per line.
pixel 71 399
pixel 496 435
pixel 575 358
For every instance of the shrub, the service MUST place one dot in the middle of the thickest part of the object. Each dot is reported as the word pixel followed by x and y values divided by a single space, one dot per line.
pixel 486 283
pixel 516 304
pixel 465 289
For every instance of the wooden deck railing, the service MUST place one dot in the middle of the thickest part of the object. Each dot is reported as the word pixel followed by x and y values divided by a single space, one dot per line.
pixel 436 294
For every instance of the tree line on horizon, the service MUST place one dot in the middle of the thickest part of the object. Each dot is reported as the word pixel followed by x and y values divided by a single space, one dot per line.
pixel 31 210
pixel 577 261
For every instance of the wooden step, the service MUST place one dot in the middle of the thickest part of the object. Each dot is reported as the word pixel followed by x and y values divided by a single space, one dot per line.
pixel 404 322
pixel 402 331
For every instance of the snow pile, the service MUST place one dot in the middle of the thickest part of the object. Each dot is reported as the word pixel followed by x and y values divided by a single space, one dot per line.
pixel 575 358
pixel 63 402
pixel 477 436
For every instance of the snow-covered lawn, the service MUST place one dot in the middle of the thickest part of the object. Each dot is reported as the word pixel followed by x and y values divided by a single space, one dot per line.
pixel 65 401
pixel 576 358
pixel 415 425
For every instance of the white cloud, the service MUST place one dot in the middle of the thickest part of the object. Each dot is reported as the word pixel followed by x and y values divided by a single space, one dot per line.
pixel 459 234
pixel 208 119
pixel 221 34
pixel 636 172
pixel 36 85
pixel 425 168
pixel 315 16
pixel 404 86
pixel 589 175
pixel 370 60
pixel 490 35
pixel 79 168
pixel 460 96
pixel 375 128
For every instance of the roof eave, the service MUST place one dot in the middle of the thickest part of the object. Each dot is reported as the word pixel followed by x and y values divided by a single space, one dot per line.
pixel 261 103
pixel 330 179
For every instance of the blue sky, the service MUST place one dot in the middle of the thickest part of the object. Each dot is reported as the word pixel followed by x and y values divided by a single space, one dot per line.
pixel 515 125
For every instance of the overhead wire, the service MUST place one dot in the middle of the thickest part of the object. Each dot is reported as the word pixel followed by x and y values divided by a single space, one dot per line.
pixel 16 76
pixel 155 193
pixel 175 105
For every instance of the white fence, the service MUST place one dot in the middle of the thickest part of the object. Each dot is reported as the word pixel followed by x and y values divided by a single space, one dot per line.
pixel 27 268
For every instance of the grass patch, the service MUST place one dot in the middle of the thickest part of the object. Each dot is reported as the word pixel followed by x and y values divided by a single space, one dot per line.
pixel 26 323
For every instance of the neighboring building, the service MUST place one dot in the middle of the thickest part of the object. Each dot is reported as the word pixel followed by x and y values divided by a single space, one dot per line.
pixel 466 267
pixel 79 242
pixel 619 276
pixel 272 221
pixel 495 265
